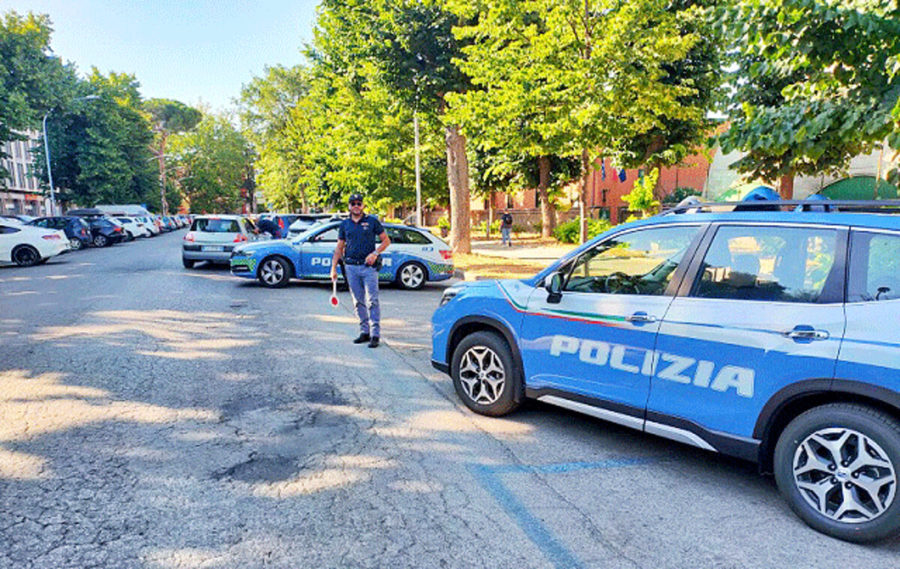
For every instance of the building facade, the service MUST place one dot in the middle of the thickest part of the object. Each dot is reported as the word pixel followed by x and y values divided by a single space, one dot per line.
pixel 21 194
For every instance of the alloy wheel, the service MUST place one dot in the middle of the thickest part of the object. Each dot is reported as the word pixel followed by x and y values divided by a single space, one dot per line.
pixel 26 257
pixel 844 475
pixel 272 272
pixel 412 276
pixel 482 375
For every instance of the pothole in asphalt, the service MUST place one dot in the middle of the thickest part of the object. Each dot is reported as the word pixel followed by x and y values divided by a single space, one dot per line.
pixel 261 469
pixel 322 393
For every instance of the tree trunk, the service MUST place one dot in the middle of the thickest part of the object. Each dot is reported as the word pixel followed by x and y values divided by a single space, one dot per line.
pixel 786 187
pixel 490 218
pixel 548 214
pixel 458 180
pixel 585 174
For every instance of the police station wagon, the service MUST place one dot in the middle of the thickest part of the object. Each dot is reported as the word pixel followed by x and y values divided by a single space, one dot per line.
pixel 414 257
pixel 767 335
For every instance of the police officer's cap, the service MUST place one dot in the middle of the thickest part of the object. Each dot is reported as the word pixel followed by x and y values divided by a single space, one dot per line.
pixel 355 198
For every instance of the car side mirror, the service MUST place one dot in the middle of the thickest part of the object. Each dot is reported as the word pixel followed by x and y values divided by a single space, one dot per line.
pixel 553 284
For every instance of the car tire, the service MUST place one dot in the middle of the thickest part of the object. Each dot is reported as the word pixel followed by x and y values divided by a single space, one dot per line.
pixel 77 244
pixel 274 272
pixel 26 256
pixel 856 499
pixel 412 275
pixel 188 263
pixel 100 240
pixel 484 374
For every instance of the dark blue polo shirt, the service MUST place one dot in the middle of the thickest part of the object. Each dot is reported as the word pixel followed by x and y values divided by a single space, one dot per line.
pixel 359 238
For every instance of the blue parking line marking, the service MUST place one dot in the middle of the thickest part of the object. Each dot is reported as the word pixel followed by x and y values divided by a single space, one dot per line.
pixel 556 552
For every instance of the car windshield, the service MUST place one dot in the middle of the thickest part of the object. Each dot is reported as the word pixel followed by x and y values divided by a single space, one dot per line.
pixel 216 225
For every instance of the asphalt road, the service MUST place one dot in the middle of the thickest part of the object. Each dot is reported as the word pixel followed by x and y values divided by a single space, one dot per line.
pixel 157 417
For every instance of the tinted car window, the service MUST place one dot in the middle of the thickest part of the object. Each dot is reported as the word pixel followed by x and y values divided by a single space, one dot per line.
pixel 638 262
pixel 414 237
pixel 784 264
pixel 874 267
pixel 327 235
pixel 7 229
pixel 216 226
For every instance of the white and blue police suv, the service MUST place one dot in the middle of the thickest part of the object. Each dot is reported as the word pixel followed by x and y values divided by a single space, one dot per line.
pixel 767 335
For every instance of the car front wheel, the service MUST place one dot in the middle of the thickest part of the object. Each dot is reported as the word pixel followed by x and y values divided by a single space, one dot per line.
pixel 274 272
pixel 484 374
pixel 838 465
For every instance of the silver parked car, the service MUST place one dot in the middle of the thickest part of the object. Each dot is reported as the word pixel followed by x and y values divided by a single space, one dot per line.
pixel 212 238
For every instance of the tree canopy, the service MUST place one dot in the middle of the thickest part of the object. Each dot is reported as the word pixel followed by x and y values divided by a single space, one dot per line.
pixel 815 84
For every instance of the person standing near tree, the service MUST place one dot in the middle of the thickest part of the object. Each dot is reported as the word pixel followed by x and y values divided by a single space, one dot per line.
pixel 356 245
pixel 506 223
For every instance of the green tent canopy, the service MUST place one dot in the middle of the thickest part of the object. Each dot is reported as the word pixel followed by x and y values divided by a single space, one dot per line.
pixel 859 188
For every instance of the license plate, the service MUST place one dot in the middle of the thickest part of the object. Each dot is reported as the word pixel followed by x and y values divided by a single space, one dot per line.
pixel 212 248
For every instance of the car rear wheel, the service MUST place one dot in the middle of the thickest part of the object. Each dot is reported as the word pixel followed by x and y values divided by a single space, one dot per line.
pixel 100 240
pixel 25 256
pixel 77 245
pixel 412 276
pixel 484 375
pixel 838 465
pixel 274 272
pixel 188 263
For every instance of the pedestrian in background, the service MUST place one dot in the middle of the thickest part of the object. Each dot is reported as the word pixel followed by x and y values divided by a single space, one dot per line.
pixel 506 223
pixel 266 225
pixel 356 245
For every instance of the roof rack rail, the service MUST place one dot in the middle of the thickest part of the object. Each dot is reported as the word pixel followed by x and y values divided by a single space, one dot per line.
pixel 859 206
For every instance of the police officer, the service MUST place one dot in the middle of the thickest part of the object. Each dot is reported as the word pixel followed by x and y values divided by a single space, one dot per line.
pixel 356 244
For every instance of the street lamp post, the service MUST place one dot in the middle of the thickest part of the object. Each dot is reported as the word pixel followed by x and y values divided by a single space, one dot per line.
pixel 47 152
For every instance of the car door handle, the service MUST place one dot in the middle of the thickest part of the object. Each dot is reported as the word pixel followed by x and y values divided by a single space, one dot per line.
pixel 640 318
pixel 803 332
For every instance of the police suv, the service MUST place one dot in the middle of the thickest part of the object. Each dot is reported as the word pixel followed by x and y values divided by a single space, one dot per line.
pixel 414 257
pixel 767 335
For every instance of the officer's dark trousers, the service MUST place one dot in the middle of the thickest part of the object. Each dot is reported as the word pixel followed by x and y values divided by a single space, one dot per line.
pixel 363 281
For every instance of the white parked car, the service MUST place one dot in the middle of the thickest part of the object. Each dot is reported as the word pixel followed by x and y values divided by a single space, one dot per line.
pixel 134 227
pixel 26 245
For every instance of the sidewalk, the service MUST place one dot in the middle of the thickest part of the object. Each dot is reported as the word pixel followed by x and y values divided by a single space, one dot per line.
pixel 491 260
pixel 524 250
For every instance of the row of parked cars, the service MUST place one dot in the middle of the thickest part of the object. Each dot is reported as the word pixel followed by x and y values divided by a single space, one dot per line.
pixel 27 241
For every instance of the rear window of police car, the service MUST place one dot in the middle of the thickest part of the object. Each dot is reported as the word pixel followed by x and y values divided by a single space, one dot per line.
pixel 216 226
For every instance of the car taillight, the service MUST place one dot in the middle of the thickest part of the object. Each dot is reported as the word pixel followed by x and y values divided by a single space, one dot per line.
pixel 50 236
pixel 239 238
pixel 117 229
pixel 189 236
pixel 446 254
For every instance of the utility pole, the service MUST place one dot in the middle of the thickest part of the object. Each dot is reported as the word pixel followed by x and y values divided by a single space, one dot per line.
pixel 418 172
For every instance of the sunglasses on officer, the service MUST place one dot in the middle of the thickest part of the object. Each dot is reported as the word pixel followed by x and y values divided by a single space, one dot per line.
pixel 356 202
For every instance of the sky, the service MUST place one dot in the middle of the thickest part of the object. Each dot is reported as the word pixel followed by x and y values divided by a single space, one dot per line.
pixel 194 51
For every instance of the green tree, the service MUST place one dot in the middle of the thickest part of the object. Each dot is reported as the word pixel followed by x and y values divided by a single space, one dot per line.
pixel 408 48
pixel 641 196
pixel 168 117
pixel 32 81
pixel 699 75
pixel 213 162
pixel 582 75
pixel 100 148
pixel 815 84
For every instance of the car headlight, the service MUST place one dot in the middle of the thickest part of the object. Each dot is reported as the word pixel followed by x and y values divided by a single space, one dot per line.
pixel 449 294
